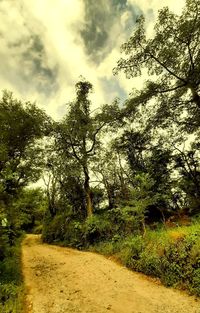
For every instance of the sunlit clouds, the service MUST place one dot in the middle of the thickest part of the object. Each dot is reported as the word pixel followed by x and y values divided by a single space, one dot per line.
pixel 46 46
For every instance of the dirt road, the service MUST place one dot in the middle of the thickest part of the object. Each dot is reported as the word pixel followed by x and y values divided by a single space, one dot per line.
pixel 62 280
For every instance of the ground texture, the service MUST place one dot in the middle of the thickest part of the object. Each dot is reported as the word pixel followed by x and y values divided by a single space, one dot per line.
pixel 62 280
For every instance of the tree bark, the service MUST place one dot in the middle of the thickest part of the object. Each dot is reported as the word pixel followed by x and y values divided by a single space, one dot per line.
pixel 89 207
pixel 196 97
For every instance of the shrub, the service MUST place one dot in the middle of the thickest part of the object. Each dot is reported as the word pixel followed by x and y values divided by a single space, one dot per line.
pixel 107 248
pixel 131 250
pixel 11 288
pixel 96 229
pixel 125 221
pixel 173 255
pixel 194 285
pixel 64 230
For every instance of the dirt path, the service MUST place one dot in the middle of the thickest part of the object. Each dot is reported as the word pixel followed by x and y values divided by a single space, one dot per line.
pixel 62 280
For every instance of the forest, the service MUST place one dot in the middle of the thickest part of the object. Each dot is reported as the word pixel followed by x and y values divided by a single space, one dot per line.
pixel 120 180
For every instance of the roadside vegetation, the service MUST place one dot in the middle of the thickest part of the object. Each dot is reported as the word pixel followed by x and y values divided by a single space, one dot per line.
pixel 171 255
pixel 11 281
pixel 119 180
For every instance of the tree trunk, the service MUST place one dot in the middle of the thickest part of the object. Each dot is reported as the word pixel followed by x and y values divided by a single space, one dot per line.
pixel 196 97
pixel 89 207
pixel 143 228
pixel 51 206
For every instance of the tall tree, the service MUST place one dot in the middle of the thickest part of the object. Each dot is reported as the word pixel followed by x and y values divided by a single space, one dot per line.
pixel 21 125
pixel 79 132
pixel 187 162
pixel 111 173
pixel 63 180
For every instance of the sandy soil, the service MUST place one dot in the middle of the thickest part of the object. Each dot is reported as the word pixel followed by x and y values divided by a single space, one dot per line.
pixel 62 280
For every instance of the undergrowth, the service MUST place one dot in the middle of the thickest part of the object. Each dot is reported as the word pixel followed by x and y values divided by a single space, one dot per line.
pixel 172 255
pixel 11 284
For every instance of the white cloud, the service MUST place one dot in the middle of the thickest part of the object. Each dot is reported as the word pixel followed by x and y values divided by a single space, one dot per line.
pixel 155 5
pixel 57 24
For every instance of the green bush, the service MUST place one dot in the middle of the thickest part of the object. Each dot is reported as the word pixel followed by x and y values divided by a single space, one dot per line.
pixel 149 263
pixel 172 256
pixel 38 229
pixel 125 221
pixel 54 229
pixel 11 285
pixel 74 233
pixel 107 248
pixel 4 244
pixel 194 285
pixel 96 229
pixel 62 229
pixel 131 250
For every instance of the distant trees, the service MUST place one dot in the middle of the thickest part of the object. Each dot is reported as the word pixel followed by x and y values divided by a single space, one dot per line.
pixel 28 210
pixel 150 169
pixel 98 189
pixel 22 127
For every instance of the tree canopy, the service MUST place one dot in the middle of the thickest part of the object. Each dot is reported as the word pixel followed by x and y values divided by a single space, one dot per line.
pixel 172 59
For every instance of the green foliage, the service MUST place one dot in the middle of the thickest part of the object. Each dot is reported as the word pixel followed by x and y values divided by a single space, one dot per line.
pixel 150 173
pixel 78 139
pixel 131 250
pixel 11 288
pixel 96 229
pixel 72 232
pixel 188 165
pixel 173 255
pixel 21 125
pixel 108 248
pixel 63 229
pixel 126 220
pixel 173 69
pixel 29 207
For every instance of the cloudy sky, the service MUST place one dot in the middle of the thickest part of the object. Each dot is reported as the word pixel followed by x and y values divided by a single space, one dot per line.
pixel 46 45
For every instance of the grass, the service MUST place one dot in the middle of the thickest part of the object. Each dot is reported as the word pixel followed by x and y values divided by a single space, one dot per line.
pixel 173 255
pixel 11 282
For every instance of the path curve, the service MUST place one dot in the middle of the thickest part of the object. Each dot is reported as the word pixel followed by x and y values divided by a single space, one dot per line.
pixel 62 280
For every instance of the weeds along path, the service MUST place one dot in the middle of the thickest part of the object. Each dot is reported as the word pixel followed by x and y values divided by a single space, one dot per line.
pixel 62 280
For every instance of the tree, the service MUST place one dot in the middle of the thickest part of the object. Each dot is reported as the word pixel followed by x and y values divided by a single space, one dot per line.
pixel 173 55
pixel 63 180
pixel 134 144
pixel 22 125
pixel 111 175
pixel 28 209
pixel 187 162
pixel 149 173
pixel 21 128
pixel 79 132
